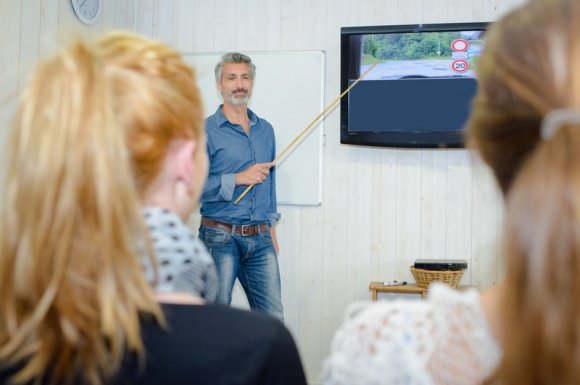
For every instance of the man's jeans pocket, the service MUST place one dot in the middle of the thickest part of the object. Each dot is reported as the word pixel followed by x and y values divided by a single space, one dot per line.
pixel 213 237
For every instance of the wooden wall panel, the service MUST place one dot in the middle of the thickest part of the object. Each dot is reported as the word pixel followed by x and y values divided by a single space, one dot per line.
pixel 459 206
pixel 433 204
pixel 485 10
pixel 290 264
pixel 383 227
pixel 357 215
pixel 30 31
pixel 269 18
pixel 408 218
pixel 435 12
pixel 310 286
pixel 10 48
pixel 163 19
pixel 183 30
pixel 487 208
pixel 145 17
pixel 200 42
pixel 381 208
pixel 33 29
pixel 460 10
pixel 224 31
pixel 48 25
pixel 411 11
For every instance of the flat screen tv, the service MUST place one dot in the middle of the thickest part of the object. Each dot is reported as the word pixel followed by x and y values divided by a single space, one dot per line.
pixel 419 93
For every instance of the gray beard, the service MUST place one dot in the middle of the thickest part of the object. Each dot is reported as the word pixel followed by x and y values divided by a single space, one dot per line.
pixel 237 101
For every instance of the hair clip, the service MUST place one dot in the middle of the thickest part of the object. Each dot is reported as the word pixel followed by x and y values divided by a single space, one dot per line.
pixel 556 119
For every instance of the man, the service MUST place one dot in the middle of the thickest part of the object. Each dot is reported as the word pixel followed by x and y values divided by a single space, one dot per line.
pixel 241 147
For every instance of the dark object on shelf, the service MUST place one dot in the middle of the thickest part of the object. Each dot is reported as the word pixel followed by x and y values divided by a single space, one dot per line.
pixel 440 264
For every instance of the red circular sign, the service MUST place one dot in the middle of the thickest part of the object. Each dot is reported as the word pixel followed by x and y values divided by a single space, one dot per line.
pixel 459 45
pixel 460 65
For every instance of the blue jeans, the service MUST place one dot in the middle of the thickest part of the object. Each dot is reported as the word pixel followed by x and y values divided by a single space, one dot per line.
pixel 253 261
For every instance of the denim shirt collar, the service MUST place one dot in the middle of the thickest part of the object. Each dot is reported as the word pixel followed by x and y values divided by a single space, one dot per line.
pixel 221 118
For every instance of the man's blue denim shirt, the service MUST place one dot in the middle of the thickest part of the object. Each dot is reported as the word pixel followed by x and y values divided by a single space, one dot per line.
pixel 231 151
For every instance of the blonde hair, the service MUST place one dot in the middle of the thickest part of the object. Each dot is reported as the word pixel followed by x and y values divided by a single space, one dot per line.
pixel 528 69
pixel 91 131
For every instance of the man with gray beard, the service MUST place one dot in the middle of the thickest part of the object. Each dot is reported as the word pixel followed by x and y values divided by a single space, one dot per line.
pixel 241 147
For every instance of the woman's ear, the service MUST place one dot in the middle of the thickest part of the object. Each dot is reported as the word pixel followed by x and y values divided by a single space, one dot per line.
pixel 183 160
pixel 172 187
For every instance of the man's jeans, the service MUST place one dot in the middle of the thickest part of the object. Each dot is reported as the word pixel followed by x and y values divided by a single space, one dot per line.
pixel 252 260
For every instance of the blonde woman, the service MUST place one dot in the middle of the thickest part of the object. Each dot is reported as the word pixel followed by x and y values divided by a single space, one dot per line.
pixel 525 125
pixel 102 131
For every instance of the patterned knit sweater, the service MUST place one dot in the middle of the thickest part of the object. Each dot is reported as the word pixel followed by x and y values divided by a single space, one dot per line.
pixel 183 263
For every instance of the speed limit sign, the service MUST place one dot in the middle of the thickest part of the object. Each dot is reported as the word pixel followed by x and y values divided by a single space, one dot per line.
pixel 460 65
pixel 459 45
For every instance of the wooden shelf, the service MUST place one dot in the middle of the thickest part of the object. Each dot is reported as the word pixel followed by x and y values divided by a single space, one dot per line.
pixel 409 288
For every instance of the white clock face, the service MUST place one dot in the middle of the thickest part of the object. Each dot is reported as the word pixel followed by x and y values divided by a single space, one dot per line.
pixel 88 11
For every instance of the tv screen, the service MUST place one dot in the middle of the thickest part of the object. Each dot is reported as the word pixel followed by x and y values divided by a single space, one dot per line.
pixel 419 93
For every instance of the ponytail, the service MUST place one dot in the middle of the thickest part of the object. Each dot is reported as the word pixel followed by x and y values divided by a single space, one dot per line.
pixel 71 285
pixel 541 307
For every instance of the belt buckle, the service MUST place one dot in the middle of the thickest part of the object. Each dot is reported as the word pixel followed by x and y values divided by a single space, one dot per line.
pixel 244 227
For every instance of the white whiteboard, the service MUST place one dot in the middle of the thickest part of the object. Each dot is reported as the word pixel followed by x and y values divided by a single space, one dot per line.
pixel 288 93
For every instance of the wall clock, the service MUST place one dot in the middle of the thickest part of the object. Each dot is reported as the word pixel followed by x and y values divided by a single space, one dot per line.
pixel 88 11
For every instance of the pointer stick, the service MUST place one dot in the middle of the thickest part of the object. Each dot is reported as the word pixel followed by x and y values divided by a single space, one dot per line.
pixel 330 106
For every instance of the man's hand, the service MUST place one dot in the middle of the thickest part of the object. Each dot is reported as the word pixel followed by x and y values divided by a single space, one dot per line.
pixel 254 175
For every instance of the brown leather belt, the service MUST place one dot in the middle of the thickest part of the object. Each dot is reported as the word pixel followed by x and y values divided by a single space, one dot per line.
pixel 245 230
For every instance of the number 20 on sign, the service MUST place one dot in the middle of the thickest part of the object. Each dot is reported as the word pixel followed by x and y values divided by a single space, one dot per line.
pixel 460 65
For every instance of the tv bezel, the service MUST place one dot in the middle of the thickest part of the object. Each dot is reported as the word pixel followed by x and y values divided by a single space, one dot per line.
pixel 430 139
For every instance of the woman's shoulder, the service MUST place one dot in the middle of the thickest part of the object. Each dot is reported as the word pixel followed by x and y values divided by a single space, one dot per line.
pixel 408 338
pixel 215 324
pixel 215 344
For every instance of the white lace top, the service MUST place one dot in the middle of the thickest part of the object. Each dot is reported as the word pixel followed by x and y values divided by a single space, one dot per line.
pixel 444 339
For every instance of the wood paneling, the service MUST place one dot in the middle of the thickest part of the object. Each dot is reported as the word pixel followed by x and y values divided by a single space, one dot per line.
pixel 10 48
pixel 381 208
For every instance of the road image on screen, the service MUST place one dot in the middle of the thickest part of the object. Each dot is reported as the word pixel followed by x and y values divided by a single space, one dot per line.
pixel 419 92
pixel 420 55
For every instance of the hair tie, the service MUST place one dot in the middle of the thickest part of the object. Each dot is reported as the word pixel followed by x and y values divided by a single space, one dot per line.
pixel 556 119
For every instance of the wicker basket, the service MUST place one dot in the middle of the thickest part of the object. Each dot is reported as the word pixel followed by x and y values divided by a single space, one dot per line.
pixel 423 278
